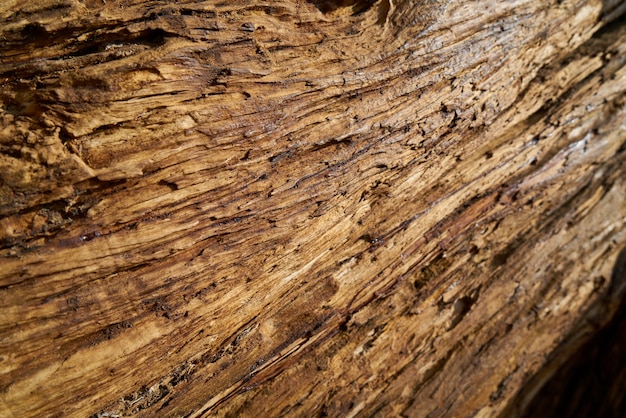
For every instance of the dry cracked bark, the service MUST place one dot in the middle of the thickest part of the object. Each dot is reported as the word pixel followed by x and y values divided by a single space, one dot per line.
pixel 305 208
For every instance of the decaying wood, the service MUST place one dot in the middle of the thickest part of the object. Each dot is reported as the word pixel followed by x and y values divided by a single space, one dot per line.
pixel 305 208
pixel 590 382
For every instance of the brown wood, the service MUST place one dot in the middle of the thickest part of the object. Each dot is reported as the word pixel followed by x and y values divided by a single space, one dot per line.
pixel 305 208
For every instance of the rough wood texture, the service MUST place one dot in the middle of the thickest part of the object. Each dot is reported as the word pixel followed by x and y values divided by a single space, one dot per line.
pixel 305 208
pixel 591 383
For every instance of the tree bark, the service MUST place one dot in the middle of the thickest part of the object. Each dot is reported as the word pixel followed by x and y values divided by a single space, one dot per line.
pixel 305 208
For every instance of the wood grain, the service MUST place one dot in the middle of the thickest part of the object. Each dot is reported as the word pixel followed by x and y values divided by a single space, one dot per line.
pixel 305 208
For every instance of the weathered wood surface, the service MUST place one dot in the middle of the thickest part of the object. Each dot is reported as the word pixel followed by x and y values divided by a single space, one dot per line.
pixel 305 208
pixel 590 382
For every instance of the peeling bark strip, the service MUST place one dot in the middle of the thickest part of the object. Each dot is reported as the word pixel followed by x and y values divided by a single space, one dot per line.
pixel 305 208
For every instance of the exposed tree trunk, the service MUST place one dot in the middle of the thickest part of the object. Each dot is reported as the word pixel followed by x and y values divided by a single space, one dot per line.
pixel 306 208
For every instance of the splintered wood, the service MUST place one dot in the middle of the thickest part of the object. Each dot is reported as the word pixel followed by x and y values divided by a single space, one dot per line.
pixel 305 208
